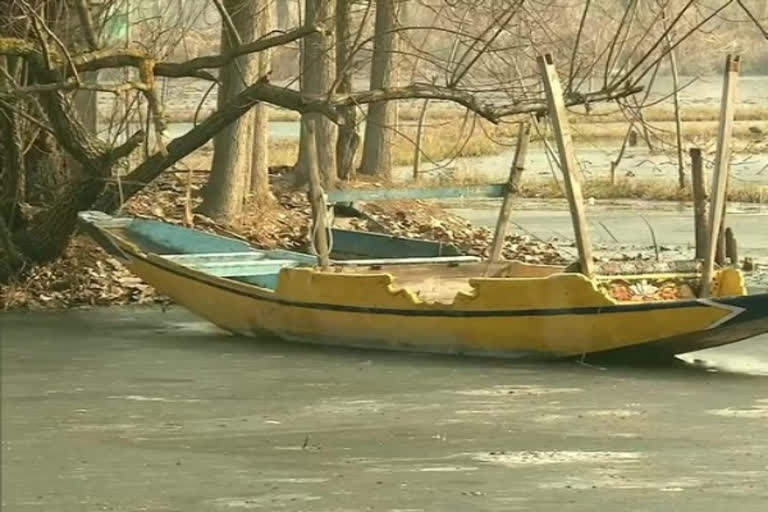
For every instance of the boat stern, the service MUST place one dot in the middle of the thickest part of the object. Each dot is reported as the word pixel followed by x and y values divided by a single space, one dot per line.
pixel 747 317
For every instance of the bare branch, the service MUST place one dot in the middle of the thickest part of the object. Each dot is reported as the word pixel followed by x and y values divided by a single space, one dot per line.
pixel 753 18
pixel 226 19
pixel 493 113
pixel 132 57
pixel 86 21
pixel 583 20
pixel 189 67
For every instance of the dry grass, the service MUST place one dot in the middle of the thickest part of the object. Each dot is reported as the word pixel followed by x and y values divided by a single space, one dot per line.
pixel 437 144
pixel 665 129
pixel 662 113
pixel 649 190
pixel 448 140
pixel 450 137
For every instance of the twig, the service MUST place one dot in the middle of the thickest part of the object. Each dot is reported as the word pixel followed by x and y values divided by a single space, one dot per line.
pixel 653 237
pixel 84 13
pixel 583 20
pixel 608 231
pixel 753 18
pixel 38 23
pixel 512 11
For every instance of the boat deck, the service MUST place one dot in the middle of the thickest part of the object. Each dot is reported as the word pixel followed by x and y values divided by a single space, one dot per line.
pixel 441 283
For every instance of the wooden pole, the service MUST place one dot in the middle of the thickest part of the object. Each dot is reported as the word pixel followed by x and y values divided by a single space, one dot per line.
pixel 720 248
pixel 558 114
pixel 513 187
pixel 319 227
pixel 731 247
pixel 699 203
pixel 419 134
pixel 720 177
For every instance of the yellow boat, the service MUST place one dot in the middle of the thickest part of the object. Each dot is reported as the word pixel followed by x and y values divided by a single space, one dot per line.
pixel 431 300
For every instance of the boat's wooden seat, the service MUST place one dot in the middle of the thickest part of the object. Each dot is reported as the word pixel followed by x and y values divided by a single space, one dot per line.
pixel 390 262
pixel 233 264
pixel 243 257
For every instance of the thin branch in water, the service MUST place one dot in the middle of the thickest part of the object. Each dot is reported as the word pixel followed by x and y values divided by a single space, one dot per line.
pixel 608 231
pixel 653 237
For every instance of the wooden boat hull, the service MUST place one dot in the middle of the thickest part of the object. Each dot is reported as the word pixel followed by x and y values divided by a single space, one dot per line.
pixel 560 315
pixel 646 329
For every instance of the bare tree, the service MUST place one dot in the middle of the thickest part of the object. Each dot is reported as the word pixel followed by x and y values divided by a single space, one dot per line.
pixel 39 127
pixel 348 139
pixel 283 10
pixel 317 76
pixel 259 183
pixel 377 144
pixel 490 74
pixel 232 156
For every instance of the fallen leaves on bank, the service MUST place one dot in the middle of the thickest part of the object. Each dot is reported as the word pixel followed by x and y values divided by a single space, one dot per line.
pixel 418 219
pixel 87 276
pixel 84 276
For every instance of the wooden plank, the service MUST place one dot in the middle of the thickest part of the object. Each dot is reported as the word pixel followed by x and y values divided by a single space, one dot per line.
pixel 216 257
pixel 319 209
pixel 256 264
pixel 699 202
pixel 513 186
pixel 350 244
pixel 163 238
pixel 307 259
pixel 379 262
pixel 241 269
pixel 388 194
pixel 103 220
pixel 571 173
pixel 722 164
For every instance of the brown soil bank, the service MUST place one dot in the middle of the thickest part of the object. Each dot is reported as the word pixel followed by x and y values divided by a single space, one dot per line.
pixel 87 276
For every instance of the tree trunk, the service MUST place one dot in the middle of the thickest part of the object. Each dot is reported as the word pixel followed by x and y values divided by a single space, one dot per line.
pixel 230 172
pixel 11 165
pixel 259 183
pixel 349 140
pixel 377 145
pixel 317 72
pixel 283 14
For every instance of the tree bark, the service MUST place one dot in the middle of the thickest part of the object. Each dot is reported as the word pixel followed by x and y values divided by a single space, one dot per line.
pixel 317 73
pixel 349 140
pixel 319 227
pixel 224 195
pixel 283 14
pixel 377 145
pixel 259 182
pixel 11 165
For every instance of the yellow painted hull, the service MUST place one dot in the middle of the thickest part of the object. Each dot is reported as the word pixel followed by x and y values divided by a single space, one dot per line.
pixel 560 315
